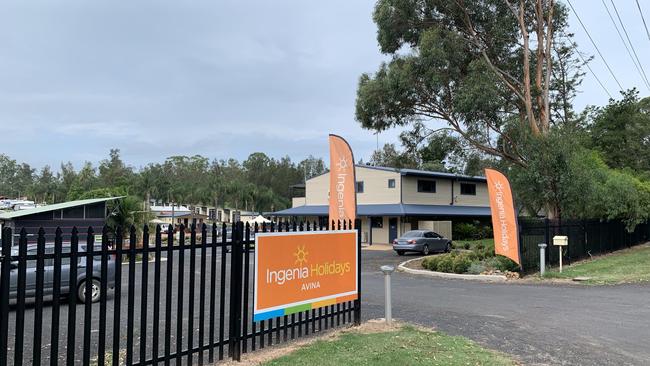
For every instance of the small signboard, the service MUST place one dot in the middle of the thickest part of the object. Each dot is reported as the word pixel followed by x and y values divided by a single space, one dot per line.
pixel 560 240
pixel 299 271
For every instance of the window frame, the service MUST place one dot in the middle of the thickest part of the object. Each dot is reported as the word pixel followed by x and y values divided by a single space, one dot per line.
pixel 359 184
pixel 392 183
pixel 467 184
pixel 421 182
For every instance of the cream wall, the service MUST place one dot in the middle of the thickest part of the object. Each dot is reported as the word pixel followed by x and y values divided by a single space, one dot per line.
pixel 410 194
pixel 380 235
pixel 480 199
pixel 375 188
pixel 316 190
pixel 298 201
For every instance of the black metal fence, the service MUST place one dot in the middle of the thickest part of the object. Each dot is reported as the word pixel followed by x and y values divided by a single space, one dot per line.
pixel 586 238
pixel 161 308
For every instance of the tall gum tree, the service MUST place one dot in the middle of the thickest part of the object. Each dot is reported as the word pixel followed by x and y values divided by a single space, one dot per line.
pixel 486 67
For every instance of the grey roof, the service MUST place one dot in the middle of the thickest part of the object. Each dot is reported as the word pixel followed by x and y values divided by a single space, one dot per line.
pixel 57 206
pixel 424 173
pixel 420 173
pixel 397 209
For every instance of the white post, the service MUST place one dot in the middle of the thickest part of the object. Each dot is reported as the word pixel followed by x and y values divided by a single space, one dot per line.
pixel 560 247
pixel 387 270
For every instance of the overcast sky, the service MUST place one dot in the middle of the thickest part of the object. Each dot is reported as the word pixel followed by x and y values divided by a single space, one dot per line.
pixel 216 78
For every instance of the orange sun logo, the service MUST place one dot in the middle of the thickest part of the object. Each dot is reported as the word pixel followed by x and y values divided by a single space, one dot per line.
pixel 301 255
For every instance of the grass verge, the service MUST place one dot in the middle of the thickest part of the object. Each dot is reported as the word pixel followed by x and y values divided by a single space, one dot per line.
pixel 405 345
pixel 624 266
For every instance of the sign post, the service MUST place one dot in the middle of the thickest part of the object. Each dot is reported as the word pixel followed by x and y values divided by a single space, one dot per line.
pixel 560 241
pixel 299 271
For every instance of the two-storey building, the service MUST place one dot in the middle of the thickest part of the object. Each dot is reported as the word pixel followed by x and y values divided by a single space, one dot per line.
pixel 392 201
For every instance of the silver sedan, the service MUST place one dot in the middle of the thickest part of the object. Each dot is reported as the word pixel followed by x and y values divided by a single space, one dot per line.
pixel 423 241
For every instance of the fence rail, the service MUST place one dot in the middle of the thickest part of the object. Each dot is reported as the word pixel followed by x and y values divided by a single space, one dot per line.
pixel 185 299
pixel 586 238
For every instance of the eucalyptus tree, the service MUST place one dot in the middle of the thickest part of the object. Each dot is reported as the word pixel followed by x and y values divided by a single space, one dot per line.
pixel 485 67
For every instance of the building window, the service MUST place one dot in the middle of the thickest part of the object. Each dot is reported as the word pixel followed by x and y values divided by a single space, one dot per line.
pixel 468 189
pixel 377 222
pixel 96 211
pixel 391 183
pixel 427 186
pixel 73 212
pixel 360 187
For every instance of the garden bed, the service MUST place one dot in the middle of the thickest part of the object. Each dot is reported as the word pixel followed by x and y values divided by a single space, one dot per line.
pixel 472 258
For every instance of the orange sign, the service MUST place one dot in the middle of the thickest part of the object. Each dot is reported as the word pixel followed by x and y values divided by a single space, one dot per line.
pixel 343 197
pixel 298 271
pixel 504 219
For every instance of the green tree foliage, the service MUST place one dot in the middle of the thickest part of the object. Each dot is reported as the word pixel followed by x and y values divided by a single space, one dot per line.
pixel 388 156
pixel 471 63
pixel 435 150
pixel 620 131
pixel 570 181
pixel 260 183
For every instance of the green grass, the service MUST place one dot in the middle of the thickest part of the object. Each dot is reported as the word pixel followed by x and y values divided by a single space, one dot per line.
pixel 460 244
pixel 406 346
pixel 625 266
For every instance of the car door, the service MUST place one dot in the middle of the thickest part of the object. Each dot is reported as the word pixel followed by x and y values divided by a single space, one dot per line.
pixel 30 274
pixel 427 238
pixel 439 242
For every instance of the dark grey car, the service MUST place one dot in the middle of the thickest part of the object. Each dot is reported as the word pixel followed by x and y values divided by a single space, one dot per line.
pixel 423 241
pixel 78 288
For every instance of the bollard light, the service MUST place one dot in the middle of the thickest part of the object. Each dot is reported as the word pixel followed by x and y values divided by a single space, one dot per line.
pixel 388 270
pixel 542 258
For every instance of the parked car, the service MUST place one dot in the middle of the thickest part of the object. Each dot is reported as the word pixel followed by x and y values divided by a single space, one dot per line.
pixel 423 241
pixel 77 289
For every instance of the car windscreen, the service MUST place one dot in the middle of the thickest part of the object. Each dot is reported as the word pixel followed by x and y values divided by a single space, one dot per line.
pixel 412 234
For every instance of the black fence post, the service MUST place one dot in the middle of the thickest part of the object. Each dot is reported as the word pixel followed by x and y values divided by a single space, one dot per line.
pixel 235 292
pixel 4 294
pixel 38 295
pixel 20 303
pixel 357 302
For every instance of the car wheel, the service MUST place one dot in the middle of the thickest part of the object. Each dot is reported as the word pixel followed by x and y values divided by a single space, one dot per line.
pixel 448 248
pixel 425 250
pixel 400 252
pixel 95 288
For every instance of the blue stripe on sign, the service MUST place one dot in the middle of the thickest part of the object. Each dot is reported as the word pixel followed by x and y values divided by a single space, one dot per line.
pixel 268 315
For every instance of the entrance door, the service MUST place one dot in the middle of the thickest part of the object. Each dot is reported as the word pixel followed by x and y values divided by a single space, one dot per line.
pixel 392 229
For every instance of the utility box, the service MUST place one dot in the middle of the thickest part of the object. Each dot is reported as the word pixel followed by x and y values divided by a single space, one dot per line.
pixel 560 240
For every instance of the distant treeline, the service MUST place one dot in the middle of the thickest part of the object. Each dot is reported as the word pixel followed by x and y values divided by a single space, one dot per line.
pixel 259 183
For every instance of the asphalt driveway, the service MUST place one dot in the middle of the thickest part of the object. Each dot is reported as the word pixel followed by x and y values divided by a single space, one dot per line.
pixel 540 324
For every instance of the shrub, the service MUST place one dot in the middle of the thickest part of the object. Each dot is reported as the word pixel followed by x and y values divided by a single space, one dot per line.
pixel 461 263
pixel 476 268
pixel 500 263
pixel 446 263
pixel 454 262
pixel 464 231
pixel 507 264
pixel 431 263
pixel 471 231
pixel 467 246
